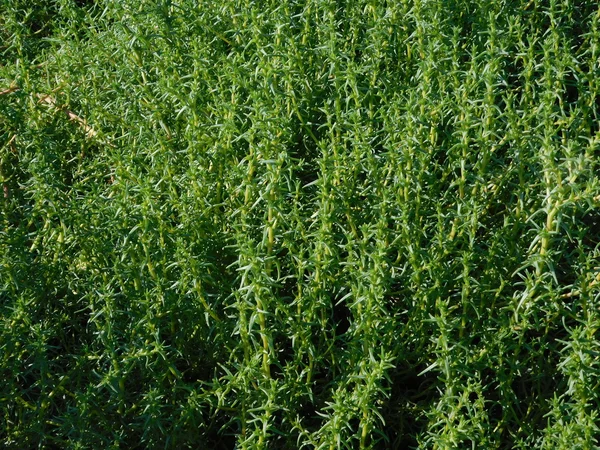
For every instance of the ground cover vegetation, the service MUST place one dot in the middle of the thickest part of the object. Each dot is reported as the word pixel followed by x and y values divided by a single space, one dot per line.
pixel 299 224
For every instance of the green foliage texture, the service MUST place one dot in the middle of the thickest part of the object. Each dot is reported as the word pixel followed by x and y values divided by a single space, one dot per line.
pixel 285 224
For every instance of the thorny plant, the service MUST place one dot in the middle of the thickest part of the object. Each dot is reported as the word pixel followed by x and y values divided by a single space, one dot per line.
pixel 299 224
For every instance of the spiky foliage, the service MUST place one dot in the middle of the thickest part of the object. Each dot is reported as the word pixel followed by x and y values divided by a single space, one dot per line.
pixel 299 224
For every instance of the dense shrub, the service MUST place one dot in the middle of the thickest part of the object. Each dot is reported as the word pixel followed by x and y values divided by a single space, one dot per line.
pixel 299 224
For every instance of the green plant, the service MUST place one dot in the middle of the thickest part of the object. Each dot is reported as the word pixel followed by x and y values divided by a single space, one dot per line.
pixel 299 224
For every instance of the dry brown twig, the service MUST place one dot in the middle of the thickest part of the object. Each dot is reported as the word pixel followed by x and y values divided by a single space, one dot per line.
pixel 10 90
pixel 51 101
pixel 89 131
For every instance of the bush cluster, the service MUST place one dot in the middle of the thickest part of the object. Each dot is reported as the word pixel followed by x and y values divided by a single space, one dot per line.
pixel 281 224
